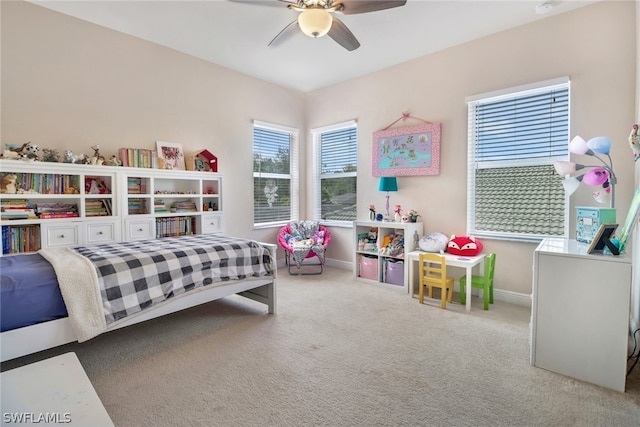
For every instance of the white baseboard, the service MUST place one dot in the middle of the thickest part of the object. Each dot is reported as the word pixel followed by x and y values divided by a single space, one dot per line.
pixel 510 297
pixel 343 265
pixel 498 294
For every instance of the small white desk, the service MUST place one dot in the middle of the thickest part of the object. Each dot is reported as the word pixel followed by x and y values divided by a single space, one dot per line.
pixel 52 391
pixel 452 261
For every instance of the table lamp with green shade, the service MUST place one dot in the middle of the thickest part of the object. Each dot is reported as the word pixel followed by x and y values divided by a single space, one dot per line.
pixel 388 184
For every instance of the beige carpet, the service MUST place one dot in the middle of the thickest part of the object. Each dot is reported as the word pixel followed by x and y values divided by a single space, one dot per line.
pixel 338 353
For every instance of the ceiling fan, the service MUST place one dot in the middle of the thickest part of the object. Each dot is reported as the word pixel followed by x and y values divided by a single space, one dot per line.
pixel 317 18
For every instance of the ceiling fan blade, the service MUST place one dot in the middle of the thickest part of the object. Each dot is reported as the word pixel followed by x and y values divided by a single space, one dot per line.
pixel 342 35
pixel 280 37
pixel 351 7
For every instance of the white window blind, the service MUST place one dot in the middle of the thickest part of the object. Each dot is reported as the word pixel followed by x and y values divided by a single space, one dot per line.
pixel 275 174
pixel 335 174
pixel 514 138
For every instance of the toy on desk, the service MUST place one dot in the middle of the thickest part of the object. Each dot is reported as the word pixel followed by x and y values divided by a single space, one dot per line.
pixel 433 242
pixel 464 245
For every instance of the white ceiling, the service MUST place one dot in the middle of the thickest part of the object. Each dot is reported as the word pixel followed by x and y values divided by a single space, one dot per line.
pixel 235 35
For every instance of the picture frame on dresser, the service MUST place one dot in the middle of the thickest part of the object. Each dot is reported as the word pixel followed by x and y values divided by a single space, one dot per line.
pixel 170 155
pixel 602 240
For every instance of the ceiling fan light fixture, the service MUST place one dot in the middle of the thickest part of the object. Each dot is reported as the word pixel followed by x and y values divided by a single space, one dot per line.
pixel 315 22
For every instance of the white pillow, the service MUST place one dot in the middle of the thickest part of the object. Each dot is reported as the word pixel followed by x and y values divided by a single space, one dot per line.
pixel 433 242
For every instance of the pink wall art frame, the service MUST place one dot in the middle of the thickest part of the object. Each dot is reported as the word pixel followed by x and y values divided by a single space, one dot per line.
pixel 407 151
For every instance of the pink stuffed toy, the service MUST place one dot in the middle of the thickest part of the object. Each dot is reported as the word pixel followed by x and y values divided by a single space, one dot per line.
pixel 464 246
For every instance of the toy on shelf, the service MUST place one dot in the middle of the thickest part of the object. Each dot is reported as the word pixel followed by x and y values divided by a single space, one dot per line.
pixel 69 157
pixel 9 185
pixel 397 213
pixel 96 159
pixel 203 160
pixel 50 155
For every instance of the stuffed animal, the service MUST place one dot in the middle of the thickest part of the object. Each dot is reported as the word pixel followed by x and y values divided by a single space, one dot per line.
pixel 8 185
pixel 30 151
pixel 396 247
pixel 318 237
pixel 464 245
pixel 433 242
pixel 50 155
pixel 27 151
pixel 10 154
pixel 69 157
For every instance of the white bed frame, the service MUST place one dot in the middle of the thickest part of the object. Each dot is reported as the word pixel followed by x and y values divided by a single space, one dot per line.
pixel 31 339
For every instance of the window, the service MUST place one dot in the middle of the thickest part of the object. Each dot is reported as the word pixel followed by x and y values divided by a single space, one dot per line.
pixel 514 138
pixel 335 174
pixel 275 174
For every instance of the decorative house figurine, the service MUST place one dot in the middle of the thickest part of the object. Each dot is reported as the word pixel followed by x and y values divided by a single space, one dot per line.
pixel 202 160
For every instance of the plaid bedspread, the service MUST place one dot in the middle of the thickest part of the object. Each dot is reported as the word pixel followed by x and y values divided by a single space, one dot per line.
pixel 133 276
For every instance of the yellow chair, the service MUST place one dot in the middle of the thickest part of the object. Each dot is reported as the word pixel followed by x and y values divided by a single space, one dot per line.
pixel 433 273
pixel 481 282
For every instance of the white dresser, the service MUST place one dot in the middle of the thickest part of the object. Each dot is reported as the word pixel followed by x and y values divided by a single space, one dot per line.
pixel 580 312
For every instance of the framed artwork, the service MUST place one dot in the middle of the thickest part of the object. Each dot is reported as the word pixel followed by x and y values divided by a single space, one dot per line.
pixel 170 155
pixel 407 151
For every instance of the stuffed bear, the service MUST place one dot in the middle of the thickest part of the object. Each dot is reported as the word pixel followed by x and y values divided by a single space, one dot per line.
pixel 464 245
pixel 8 185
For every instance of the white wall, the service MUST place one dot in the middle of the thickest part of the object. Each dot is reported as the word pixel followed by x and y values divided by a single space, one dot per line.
pixel 598 58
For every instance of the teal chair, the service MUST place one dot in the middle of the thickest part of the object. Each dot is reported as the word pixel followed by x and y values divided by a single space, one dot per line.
pixel 481 282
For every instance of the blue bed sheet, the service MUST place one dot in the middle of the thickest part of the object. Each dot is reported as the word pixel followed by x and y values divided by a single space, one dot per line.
pixel 29 292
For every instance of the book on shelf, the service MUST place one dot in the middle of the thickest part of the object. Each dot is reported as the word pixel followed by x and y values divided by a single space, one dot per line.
pixel 47 183
pixel 137 206
pixel 184 206
pixel 136 185
pixel 159 206
pixel 56 210
pixel 175 226
pixel 49 215
pixel 16 209
pixel 20 238
pixel 98 207
pixel 138 157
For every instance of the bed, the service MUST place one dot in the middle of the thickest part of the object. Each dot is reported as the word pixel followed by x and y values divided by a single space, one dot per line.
pixel 62 295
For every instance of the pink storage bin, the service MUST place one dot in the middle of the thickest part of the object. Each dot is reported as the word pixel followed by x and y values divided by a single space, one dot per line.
pixel 368 268
pixel 395 273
